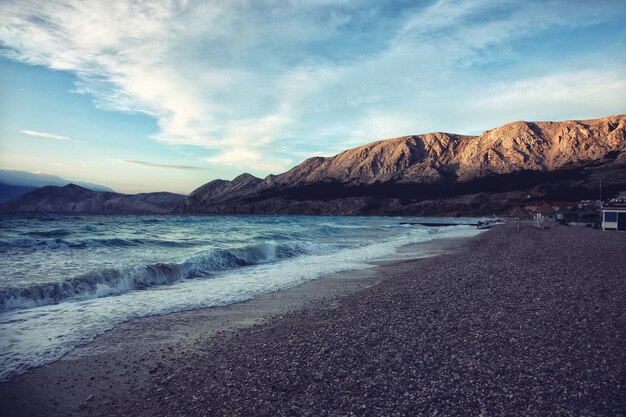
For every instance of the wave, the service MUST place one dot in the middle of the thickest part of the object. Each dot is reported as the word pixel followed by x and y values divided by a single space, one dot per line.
pixel 345 226
pixel 117 242
pixel 395 225
pixel 32 244
pixel 49 218
pixel 38 244
pixel 50 233
pixel 115 281
pixel 127 242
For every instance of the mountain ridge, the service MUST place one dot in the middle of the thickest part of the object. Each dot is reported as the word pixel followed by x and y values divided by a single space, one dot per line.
pixel 73 198
pixel 356 180
pixel 14 183
pixel 428 174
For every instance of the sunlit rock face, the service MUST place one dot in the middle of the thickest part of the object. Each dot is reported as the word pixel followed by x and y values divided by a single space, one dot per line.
pixel 437 173
pixel 433 157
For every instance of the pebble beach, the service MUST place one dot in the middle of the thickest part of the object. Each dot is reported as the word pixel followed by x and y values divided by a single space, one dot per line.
pixel 508 323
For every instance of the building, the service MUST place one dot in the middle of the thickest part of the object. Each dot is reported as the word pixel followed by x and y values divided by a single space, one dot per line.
pixel 544 217
pixel 520 213
pixel 580 215
pixel 614 218
pixel 614 213
pixel 543 212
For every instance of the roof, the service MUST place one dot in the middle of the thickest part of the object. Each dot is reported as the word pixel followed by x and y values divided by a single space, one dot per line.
pixel 545 209
pixel 519 212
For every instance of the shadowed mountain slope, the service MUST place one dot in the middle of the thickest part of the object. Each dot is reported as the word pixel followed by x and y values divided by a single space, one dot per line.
pixel 437 173
pixel 75 199
pixel 14 183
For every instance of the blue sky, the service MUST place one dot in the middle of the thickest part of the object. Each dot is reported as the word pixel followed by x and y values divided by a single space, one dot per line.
pixel 167 95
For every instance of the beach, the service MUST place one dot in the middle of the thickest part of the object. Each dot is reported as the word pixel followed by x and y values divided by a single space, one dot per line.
pixel 504 323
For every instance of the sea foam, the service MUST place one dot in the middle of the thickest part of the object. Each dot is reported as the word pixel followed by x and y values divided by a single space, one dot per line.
pixel 60 292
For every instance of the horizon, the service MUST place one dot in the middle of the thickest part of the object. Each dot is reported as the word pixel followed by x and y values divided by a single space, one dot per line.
pixel 167 96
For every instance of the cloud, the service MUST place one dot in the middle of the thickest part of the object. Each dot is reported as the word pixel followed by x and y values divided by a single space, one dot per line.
pixel 247 159
pixel 157 165
pixel 242 78
pixel 47 135
pixel 538 97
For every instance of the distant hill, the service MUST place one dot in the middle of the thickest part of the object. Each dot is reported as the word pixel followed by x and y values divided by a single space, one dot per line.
pixel 15 183
pixel 75 199
pixel 438 173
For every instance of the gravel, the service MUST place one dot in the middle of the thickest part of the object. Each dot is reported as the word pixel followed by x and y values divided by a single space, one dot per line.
pixel 530 323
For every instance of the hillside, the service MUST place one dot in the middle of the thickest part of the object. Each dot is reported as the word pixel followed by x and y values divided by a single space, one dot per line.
pixel 437 173
pixel 15 183
pixel 75 199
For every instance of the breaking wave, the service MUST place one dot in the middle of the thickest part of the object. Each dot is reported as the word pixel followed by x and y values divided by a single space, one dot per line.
pixel 115 281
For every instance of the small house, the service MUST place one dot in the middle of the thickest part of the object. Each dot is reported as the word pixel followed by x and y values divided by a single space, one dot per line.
pixel 579 214
pixel 544 217
pixel 614 218
pixel 543 212
pixel 614 214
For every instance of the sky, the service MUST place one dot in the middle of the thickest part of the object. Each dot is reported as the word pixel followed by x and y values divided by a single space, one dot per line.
pixel 166 95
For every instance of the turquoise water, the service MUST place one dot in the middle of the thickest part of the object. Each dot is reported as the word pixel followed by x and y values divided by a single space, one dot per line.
pixel 66 279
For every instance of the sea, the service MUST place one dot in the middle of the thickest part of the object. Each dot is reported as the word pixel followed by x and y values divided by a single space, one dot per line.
pixel 66 279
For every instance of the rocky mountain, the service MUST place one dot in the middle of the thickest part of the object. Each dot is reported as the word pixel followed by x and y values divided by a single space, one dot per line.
pixel 14 183
pixel 438 173
pixel 75 199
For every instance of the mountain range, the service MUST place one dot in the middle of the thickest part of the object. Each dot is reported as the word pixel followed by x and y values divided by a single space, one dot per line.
pixel 428 174
pixel 14 183
pixel 438 173
pixel 72 198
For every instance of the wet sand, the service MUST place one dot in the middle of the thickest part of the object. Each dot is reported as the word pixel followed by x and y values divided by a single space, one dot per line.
pixel 529 323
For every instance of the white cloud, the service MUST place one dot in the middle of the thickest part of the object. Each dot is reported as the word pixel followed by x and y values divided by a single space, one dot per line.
pixel 159 165
pixel 46 135
pixel 248 159
pixel 560 88
pixel 543 97
pixel 243 78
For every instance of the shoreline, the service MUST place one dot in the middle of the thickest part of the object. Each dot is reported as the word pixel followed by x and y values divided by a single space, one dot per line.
pixel 528 323
pixel 129 354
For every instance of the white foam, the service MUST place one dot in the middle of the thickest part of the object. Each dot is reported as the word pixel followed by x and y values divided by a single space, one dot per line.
pixel 114 281
pixel 39 335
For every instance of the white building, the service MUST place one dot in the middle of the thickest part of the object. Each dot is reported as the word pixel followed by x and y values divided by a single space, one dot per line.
pixel 614 218
pixel 614 214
